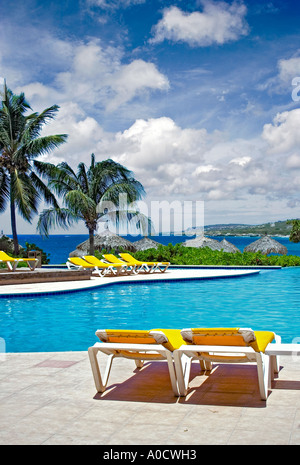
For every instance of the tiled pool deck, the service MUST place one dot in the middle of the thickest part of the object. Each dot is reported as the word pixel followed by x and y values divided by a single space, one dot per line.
pixel 50 398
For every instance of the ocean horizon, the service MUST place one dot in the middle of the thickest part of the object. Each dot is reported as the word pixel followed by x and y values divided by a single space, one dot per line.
pixel 59 246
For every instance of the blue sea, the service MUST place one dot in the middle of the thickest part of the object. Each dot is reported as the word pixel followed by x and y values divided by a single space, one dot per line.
pixel 59 246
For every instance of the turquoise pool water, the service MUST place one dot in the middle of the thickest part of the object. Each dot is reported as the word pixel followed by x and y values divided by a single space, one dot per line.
pixel 269 300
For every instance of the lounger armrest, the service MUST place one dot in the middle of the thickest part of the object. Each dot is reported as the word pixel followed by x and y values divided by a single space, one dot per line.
pixel 206 348
pixel 282 349
pixel 134 347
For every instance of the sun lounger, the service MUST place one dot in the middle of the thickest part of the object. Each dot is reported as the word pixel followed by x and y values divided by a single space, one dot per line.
pixel 149 267
pixel 120 267
pixel 12 262
pixel 110 258
pixel 80 264
pixel 226 345
pixel 136 345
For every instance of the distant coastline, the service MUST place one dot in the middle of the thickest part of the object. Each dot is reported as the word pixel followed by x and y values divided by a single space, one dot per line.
pixel 274 229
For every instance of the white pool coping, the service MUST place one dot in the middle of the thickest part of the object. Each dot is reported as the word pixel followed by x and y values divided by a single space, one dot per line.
pixel 96 281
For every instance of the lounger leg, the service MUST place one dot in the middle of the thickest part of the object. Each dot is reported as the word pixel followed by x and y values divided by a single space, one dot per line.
pixel 263 372
pixel 139 363
pixel 208 365
pixel 183 369
pixel 165 269
pixel 162 268
pixel 275 359
pixel 172 373
pixel 100 382
pixel 11 267
pixel 32 266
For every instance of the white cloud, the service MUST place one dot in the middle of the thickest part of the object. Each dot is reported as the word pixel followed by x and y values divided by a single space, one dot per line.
pixel 283 81
pixel 114 4
pixel 293 161
pixel 283 135
pixel 148 144
pixel 242 161
pixel 200 170
pixel 288 69
pixel 217 24
pixel 84 135
pixel 95 77
pixel 130 80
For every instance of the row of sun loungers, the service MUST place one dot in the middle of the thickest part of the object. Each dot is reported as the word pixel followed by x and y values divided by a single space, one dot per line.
pixel 180 348
pixel 112 265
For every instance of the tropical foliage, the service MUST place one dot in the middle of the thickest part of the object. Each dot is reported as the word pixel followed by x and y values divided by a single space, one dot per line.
pixel 90 194
pixel 20 145
pixel 179 255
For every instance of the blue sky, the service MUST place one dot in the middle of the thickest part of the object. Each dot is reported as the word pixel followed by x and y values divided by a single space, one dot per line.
pixel 196 97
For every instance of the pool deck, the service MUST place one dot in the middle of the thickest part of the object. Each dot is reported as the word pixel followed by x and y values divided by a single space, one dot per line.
pixel 50 398
pixel 96 281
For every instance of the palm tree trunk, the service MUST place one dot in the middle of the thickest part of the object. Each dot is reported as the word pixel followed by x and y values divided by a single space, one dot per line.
pixel 91 242
pixel 14 224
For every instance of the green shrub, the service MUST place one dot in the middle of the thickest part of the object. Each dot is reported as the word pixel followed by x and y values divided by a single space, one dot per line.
pixel 179 255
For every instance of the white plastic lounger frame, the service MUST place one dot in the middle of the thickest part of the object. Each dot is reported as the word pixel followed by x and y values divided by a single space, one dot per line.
pixel 277 349
pixel 207 354
pixel 148 267
pixel 137 352
pixel 82 265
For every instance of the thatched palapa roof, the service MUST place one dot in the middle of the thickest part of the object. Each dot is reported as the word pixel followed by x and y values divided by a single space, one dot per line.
pixel 229 247
pixel 146 243
pixel 104 240
pixel 201 242
pixel 266 245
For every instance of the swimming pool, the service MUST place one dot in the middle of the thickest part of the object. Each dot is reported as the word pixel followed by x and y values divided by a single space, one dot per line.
pixel 67 322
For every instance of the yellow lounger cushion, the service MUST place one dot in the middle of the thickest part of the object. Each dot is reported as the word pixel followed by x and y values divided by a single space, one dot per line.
pixel 133 260
pixel 171 338
pixel 96 262
pixel 5 257
pixel 81 262
pixel 263 338
pixel 258 340
pixel 175 339
pixel 112 259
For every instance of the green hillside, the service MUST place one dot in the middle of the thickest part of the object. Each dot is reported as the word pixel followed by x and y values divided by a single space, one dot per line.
pixel 278 228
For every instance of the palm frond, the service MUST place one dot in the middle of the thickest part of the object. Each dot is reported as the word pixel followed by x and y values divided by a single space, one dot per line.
pixel 41 145
pixel 44 169
pixel 24 195
pixel 36 121
pixel 61 217
pixel 83 179
pixel 4 190
pixel 43 190
pixel 132 189
pixel 81 204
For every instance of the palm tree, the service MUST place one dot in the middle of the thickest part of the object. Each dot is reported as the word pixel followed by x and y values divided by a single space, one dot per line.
pixel 20 144
pixel 91 194
pixel 295 231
